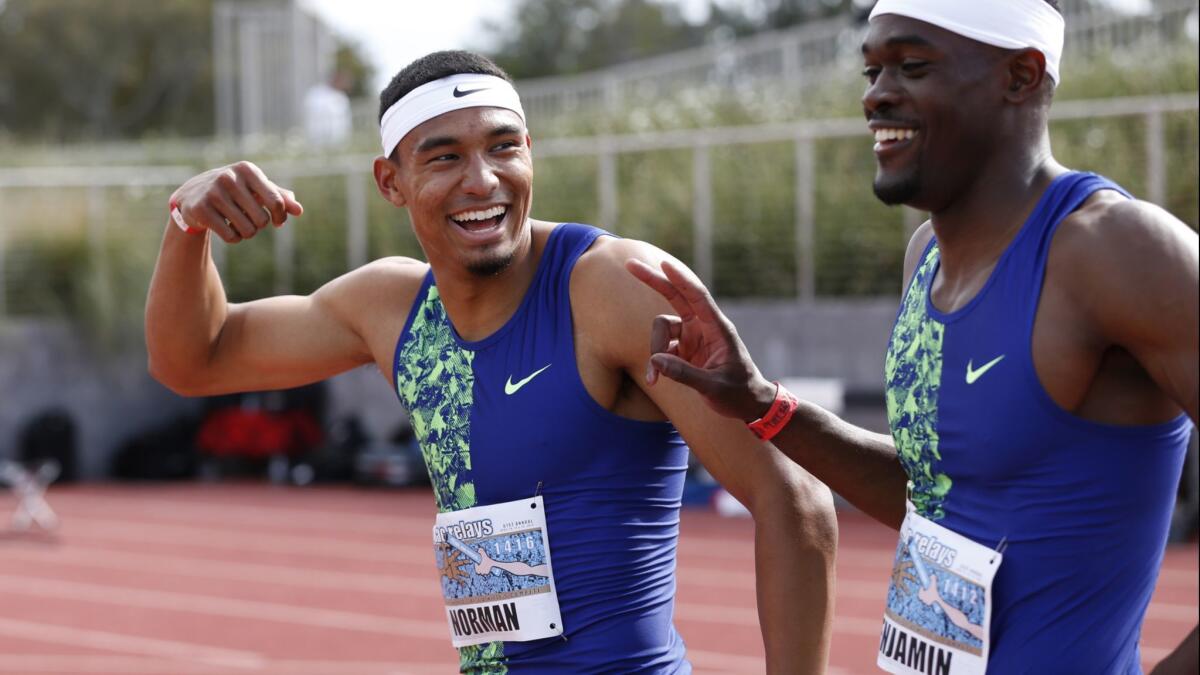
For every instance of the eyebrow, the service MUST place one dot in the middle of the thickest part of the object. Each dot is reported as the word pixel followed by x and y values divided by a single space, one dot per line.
pixel 900 40
pixel 443 141
pixel 505 130
pixel 436 142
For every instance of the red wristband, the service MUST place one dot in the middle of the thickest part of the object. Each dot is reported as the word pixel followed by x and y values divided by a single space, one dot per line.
pixel 177 218
pixel 778 415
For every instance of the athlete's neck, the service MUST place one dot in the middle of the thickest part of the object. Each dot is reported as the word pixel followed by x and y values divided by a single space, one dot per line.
pixel 976 225
pixel 478 306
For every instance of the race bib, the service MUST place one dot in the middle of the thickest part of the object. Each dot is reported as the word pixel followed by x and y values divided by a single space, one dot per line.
pixel 939 603
pixel 494 565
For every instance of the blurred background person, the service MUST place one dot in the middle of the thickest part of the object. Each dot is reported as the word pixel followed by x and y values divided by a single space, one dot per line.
pixel 327 115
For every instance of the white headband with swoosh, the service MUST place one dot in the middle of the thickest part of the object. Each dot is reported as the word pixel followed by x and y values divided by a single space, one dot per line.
pixel 442 96
pixel 1010 24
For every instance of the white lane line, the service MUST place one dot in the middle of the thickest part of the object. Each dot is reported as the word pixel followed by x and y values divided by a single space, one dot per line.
pixel 272 516
pixel 727 662
pixel 282 575
pixel 346 581
pixel 715 663
pixel 244 609
pixel 1186 578
pixel 857 626
pixel 731 548
pixel 698 576
pixel 736 616
pixel 134 665
pixel 1165 611
pixel 102 530
pixel 130 644
pixel 223 538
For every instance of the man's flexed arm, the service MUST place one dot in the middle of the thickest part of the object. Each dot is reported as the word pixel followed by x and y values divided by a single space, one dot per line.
pixel 200 344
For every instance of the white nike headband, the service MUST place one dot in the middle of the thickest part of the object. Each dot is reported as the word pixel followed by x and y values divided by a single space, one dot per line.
pixel 442 96
pixel 1011 24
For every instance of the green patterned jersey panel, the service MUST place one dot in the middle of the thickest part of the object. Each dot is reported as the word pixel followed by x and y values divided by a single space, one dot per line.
pixel 435 380
pixel 913 375
pixel 486 659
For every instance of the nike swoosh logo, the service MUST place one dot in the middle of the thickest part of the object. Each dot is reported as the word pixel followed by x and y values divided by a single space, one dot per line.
pixel 510 388
pixel 459 93
pixel 973 374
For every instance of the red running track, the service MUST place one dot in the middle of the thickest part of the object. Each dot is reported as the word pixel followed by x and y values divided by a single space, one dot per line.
pixel 209 579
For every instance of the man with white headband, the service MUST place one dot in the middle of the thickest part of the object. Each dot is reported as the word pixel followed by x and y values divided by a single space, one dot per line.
pixel 519 351
pixel 1041 379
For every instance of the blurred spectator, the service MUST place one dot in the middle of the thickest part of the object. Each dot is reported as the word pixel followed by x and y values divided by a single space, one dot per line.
pixel 327 120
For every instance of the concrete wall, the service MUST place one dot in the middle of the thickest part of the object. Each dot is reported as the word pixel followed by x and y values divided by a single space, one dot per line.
pixel 842 339
pixel 47 364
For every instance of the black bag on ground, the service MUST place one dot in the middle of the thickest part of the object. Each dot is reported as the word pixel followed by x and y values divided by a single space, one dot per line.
pixel 164 453
pixel 50 435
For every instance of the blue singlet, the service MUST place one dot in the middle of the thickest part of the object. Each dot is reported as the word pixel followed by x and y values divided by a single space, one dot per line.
pixel 1084 507
pixel 508 417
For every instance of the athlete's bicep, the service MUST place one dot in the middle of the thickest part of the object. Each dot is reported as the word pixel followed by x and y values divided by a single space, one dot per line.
pixel 282 342
pixel 288 341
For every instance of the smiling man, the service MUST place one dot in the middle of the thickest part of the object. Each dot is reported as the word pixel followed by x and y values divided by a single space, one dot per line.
pixel 1041 373
pixel 519 351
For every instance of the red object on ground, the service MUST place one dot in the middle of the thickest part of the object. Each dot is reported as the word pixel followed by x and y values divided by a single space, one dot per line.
pixel 240 432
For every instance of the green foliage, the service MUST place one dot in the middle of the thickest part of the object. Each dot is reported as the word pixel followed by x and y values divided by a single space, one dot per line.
pixel 51 266
pixel 1183 168
pixel 860 242
pixel 319 236
pixel 64 76
pixel 561 37
pixel 655 194
pixel 349 62
pixel 564 37
pixel 754 218
pixel 88 70
pixel 565 189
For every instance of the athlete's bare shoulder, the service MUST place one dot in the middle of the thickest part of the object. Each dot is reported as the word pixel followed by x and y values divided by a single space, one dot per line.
pixel 1111 239
pixel 601 268
pixel 611 306
pixel 1131 266
pixel 389 280
pixel 375 298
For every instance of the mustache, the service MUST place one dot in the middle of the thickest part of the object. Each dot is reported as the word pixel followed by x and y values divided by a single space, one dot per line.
pixel 885 116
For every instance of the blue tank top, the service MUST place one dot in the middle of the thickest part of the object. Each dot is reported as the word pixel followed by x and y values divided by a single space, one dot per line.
pixel 1084 507
pixel 611 486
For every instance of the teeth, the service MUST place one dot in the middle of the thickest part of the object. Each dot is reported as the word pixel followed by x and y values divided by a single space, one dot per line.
pixel 479 215
pixel 882 135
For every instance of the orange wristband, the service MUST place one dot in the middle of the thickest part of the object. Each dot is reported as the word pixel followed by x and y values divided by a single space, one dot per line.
pixel 778 415
pixel 177 218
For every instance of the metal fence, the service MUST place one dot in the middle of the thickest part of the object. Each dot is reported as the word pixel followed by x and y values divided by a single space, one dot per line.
pixel 266 55
pixel 116 213
pixel 818 53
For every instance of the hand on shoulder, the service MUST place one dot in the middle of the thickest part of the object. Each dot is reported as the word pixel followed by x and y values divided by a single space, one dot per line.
pixel 664 321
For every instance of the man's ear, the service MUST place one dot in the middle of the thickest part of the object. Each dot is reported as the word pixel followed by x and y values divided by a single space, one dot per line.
pixel 1026 74
pixel 387 175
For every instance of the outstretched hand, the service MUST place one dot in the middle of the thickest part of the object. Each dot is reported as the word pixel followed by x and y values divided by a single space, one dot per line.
pixel 699 347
